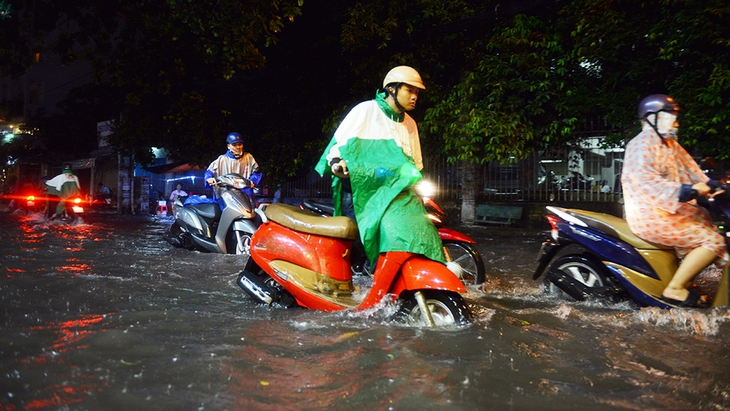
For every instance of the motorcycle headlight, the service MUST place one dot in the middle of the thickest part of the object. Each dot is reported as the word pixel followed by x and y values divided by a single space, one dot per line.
pixel 425 188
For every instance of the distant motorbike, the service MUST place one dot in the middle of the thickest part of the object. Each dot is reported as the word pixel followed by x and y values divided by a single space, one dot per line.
pixel 305 260
pixel 223 224
pixel 591 255
pixel 73 207
pixel 458 247
pixel 31 203
pixel 577 182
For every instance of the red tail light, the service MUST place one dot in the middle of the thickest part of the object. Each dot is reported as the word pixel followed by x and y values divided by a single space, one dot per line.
pixel 553 220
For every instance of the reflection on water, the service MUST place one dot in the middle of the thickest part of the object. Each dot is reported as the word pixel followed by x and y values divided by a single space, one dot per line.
pixel 105 315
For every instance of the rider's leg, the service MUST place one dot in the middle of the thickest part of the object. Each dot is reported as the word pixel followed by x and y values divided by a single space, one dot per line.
pixel 358 258
pixel 694 262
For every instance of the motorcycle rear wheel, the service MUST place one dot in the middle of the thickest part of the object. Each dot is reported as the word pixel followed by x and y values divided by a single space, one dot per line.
pixel 179 238
pixel 467 256
pixel 589 273
pixel 447 309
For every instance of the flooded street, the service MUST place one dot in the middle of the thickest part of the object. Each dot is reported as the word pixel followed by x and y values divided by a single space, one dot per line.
pixel 106 315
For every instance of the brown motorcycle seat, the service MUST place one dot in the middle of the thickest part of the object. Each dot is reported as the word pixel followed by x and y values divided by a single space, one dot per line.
pixel 311 223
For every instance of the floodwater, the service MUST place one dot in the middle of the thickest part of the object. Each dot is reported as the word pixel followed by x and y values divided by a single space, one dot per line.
pixel 105 315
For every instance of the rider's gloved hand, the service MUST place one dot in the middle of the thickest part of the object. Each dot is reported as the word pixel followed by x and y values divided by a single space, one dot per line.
pixel 702 189
pixel 339 168
pixel 210 181
pixel 716 187
pixel 713 184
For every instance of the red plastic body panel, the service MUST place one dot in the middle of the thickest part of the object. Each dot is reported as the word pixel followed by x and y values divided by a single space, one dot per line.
pixel 273 241
pixel 452 235
pixel 420 273
pixel 395 273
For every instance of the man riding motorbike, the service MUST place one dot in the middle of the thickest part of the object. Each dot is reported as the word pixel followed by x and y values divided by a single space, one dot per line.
pixel 660 180
pixel 373 132
pixel 235 160
pixel 65 185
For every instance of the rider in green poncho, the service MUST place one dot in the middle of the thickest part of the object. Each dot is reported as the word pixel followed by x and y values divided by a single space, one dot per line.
pixel 65 185
pixel 375 156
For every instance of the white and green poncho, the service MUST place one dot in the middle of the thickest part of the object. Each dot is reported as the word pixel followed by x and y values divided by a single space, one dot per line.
pixel 373 140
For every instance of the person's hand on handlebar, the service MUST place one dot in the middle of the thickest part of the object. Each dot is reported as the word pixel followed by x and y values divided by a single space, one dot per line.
pixel 705 190
pixel 211 181
pixel 340 169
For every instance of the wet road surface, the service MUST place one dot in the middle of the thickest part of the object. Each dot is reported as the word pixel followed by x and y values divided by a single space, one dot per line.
pixel 105 315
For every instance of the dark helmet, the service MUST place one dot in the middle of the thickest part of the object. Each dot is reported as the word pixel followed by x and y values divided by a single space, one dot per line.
pixel 234 138
pixel 656 103
pixel 66 166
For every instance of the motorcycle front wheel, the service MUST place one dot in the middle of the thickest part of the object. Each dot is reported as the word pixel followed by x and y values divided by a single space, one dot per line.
pixel 447 309
pixel 467 256
pixel 239 243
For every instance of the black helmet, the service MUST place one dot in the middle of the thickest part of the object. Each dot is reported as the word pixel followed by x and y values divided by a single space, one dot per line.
pixel 656 103
pixel 67 166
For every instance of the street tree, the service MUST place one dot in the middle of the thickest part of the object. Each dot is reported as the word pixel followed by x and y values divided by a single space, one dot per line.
pixel 533 75
pixel 170 59
pixel 677 47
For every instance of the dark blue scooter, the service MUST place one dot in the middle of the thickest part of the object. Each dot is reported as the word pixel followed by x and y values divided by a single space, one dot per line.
pixel 590 255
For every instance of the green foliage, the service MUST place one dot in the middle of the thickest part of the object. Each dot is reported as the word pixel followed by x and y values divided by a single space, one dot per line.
pixel 677 47
pixel 6 10
pixel 503 78
pixel 540 76
pixel 166 61
pixel 512 101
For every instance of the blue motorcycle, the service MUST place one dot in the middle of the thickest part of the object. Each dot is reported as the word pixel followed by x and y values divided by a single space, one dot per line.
pixel 590 255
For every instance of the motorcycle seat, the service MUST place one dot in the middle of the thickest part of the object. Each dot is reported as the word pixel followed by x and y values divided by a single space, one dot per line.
pixel 311 223
pixel 210 211
pixel 616 227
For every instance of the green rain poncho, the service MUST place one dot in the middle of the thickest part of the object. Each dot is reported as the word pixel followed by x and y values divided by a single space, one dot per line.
pixel 390 216
pixel 64 185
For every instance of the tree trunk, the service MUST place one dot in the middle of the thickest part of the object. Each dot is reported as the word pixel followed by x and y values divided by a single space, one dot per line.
pixel 468 192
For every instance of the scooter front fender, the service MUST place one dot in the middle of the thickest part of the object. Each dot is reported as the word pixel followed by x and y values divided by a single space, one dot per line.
pixel 420 273
pixel 231 219
pixel 450 234
pixel 246 225
pixel 548 250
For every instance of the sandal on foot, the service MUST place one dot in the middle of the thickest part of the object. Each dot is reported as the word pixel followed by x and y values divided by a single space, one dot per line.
pixel 693 300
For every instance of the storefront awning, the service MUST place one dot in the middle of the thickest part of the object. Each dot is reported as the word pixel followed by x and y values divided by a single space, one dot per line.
pixel 171 168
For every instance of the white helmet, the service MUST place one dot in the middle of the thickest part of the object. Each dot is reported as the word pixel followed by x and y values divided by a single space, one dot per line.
pixel 404 74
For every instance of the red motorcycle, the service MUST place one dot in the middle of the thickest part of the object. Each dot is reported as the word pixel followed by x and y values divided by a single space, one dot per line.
pixel 458 247
pixel 305 260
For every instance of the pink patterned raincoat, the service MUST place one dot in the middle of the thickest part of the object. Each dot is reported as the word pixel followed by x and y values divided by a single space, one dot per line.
pixel 652 177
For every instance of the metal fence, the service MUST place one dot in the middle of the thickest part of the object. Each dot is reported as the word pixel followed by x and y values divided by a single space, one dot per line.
pixel 588 171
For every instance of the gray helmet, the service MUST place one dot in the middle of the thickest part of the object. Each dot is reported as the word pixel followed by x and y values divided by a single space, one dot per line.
pixel 656 103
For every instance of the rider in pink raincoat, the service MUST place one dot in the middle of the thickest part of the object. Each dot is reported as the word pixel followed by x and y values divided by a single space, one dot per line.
pixel 660 180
